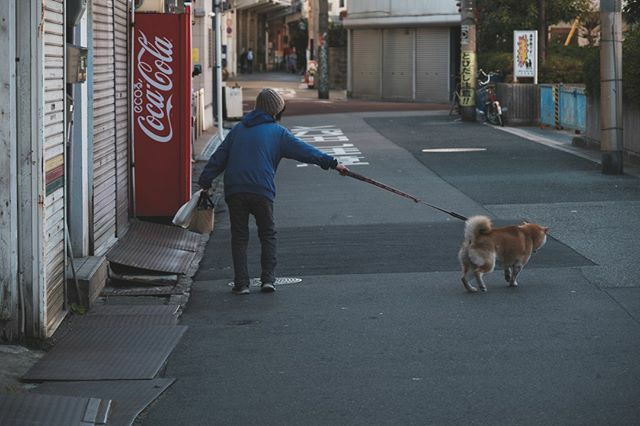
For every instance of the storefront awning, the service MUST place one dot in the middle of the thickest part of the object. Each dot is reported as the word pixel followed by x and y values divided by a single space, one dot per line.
pixel 262 6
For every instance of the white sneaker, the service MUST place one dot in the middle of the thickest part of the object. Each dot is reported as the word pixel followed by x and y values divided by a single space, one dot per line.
pixel 267 287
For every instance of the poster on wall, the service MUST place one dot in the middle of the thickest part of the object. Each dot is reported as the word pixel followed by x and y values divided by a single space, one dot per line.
pixel 525 55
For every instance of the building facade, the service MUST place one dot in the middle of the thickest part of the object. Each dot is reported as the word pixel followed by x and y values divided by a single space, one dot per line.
pixel 404 50
pixel 260 26
pixel 65 177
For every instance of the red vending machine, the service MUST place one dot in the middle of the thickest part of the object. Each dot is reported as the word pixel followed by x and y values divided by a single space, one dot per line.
pixel 161 112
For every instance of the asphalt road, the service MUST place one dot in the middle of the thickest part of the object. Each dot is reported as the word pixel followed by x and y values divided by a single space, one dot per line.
pixel 380 330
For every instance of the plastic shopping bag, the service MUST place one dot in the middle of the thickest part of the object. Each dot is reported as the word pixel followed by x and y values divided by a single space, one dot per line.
pixel 183 216
pixel 203 216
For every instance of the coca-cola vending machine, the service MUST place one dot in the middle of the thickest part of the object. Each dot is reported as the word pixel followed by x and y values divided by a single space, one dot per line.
pixel 162 112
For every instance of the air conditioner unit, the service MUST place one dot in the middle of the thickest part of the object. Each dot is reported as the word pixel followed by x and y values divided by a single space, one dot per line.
pixel 150 6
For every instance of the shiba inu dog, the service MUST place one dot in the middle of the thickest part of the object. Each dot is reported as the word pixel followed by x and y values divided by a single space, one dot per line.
pixel 483 245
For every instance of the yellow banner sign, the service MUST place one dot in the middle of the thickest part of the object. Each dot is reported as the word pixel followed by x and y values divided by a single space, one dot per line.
pixel 468 79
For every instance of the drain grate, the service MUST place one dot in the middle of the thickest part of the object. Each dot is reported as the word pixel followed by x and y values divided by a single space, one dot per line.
pixel 255 282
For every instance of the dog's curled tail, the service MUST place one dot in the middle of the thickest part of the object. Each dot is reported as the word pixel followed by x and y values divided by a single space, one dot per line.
pixel 476 225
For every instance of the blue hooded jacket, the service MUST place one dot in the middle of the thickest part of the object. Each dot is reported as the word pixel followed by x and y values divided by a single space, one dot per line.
pixel 251 152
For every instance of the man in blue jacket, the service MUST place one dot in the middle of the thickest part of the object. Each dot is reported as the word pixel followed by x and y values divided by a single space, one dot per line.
pixel 249 157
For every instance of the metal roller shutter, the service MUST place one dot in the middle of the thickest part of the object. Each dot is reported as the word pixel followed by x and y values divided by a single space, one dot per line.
pixel 432 64
pixel 54 165
pixel 397 69
pixel 104 127
pixel 366 63
pixel 120 18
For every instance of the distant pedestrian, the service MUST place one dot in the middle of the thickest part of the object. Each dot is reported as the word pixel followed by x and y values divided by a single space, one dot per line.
pixel 249 157
pixel 293 61
pixel 243 61
pixel 250 61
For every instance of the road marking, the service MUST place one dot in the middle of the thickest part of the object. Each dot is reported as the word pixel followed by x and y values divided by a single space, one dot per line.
pixel 346 153
pixel 431 150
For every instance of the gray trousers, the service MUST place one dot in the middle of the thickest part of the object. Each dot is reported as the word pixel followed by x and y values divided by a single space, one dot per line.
pixel 240 207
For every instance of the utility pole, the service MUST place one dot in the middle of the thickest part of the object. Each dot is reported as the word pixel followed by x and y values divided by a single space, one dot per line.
pixel 611 144
pixel 542 33
pixel 217 7
pixel 323 52
pixel 468 63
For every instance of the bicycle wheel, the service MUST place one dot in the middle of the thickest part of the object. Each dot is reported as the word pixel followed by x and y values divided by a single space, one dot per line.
pixel 492 115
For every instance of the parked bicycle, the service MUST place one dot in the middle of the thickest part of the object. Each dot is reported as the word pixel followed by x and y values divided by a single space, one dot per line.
pixel 487 102
pixel 454 103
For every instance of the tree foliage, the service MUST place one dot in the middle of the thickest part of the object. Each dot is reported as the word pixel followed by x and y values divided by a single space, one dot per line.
pixel 632 11
pixel 630 64
pixel 497 19
pixel 337 35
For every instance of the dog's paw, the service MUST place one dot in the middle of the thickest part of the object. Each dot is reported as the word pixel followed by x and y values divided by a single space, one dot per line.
pixel 470 288
pixel 467 286
pixel 513 284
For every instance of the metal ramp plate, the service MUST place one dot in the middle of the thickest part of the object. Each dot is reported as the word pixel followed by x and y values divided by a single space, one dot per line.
pixel 153 247
pixel 122 315
pixel 165 235
pixel 129 397
pixel 132 310
pixel 108 353
pixel 52 410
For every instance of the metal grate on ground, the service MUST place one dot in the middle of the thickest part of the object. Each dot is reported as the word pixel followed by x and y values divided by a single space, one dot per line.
pixel 158 248
pixel 36 409
pixel 256 282
pixel 108 353
pixel 129 397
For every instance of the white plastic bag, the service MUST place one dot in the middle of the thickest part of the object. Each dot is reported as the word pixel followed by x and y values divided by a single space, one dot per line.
pixel 183 216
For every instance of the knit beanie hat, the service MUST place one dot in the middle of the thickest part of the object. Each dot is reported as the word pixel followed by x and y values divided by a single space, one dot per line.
pixel 270 101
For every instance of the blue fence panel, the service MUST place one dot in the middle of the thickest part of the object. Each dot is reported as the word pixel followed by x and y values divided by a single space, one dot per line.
pixel 547 112
pixel 573 108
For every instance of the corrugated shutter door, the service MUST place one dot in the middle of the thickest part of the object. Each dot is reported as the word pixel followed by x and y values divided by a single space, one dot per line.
pixel 397 70
pixel 432 64
pixel 122 117
pixel 366 63
pixel 104 129
pixel 54 165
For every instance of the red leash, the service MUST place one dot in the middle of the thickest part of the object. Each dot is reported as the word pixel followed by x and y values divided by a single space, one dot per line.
pixel 402 194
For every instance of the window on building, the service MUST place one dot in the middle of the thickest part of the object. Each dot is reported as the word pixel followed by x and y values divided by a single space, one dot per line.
pixel 341 3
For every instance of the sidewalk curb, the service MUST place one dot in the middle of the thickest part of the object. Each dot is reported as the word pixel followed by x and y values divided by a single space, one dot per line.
pixel 629 169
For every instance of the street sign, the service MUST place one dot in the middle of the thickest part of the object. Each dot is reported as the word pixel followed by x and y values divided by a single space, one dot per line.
pixel 525 55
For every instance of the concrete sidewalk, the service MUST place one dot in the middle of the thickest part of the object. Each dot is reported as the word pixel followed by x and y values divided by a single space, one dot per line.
pixel 563 140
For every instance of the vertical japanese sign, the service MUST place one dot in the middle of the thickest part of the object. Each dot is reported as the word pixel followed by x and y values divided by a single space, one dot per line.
pixel 467 80
pixel 525 54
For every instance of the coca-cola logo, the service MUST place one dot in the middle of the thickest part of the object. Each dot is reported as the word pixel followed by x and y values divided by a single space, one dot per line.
pixel 153 88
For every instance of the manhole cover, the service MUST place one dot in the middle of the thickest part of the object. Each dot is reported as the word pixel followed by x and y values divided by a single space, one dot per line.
pixel 255 282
